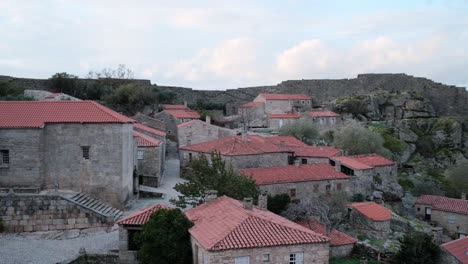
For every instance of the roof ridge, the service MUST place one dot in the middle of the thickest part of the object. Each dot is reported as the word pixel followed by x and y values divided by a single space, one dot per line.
pixel 110 112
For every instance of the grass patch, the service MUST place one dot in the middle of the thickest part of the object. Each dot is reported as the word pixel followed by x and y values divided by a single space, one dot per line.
pixel 350 260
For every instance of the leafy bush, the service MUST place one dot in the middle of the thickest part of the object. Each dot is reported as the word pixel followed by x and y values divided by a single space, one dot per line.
pixel 302 130
pixel 406 184
pixel 278 203
pixel 417 247
pixel 130 98
pixel 426 147
pixel 457 182
pixel 358 197
pixel 350 260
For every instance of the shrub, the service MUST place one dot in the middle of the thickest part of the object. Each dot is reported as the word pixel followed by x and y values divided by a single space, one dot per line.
pixel 417 247
pixel 358 197
pixel 406 184
pixel 302 130
pixel 278 203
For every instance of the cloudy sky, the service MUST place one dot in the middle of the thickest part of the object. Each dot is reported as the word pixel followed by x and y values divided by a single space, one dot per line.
pixel 215 44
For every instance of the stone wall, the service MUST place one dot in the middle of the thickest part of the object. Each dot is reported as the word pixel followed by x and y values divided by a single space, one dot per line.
pixel 341 251
pixel 199 132
pixel 34 212
pixel 362 224
pixel 307 190
pixel 171 123
pixel 150 167
pixel 149 121
pixel 452 222
pixel 126 256
pixel 313 254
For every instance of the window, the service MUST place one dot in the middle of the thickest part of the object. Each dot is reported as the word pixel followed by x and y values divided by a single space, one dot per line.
pixel 292 193
pixel 140 154
pixel 347 170
pixel 338 186
pixel 190 156
pixel 85 150
pixel 296 258
pixel 290 160
pixel 242 260
pixel 4 157
pixel 451 219
pixel 169 132
pixel 316 187
pixel 304 161
pixel 302 102
pixel 332 163
pixel 461 235
pixel 266 257
pixel 328 189
pixel 419 209
pixel 132 245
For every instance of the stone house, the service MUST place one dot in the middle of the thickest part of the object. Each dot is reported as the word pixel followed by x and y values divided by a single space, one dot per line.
pixel 173 117
pixel 450 213
pixel 150 122
pixel 240 233
pixel 323 119
pixel 245 151
pixel 76 145
pixel 370 218
pixel 129 226
pixel 341 244
pixel 156 134
pixel 368 172
pixel 301 182
pixel 252 114
pixel 198 131
pixel 277 121
pixel 284 103
pixel 304 153
pixel 149 159
pixel 455 252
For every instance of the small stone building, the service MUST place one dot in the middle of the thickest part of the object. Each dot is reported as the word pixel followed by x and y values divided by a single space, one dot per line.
pixel 455 252
pixel 156 134
pixel 245 151
pixel 129 226
pixel 370 218
pixel 323 119
pixel 173 117
pixel 198 131
pixel 301 182
pixel 277 121
pixel 341 244
pixel 450 213
pixel 150 122
pixel 75 145
pixel 230 231
pixel 149 160
pixel 252 115
pixel 284 103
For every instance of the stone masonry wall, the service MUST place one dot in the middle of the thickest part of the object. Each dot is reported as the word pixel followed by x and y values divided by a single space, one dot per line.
pixel 313 254
pixel 199 132
pixel 341 251
pixel 29 212
pixel 452 222
pixel 149 168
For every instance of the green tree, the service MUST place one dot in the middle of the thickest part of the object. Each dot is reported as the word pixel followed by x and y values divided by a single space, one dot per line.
pixel 212 173
pixel 457 179
pixel 63 82
pixel 165 238
pixel 302 130
pixel 278 203
pixel 417 247
pixel 130 98
pixel 357 139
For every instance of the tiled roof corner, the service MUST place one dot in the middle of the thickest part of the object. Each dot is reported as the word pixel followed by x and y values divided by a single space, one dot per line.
pixel 337 238
pixel 458 248
pixel 146 141
pixel 373 211
pixel 446 204
pixel 142 216
pixel 149 129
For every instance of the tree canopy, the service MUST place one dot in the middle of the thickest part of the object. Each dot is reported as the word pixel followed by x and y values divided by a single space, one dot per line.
pixel 212 173
pixel 165 238
pixel 357 139
pixel 457 179
pixel 302 130
pixel 417 248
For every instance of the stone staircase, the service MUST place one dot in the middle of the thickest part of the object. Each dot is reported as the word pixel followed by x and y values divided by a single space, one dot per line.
pixel 95 205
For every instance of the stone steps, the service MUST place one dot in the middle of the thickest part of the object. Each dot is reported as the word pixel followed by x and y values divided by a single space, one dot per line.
pixel 95 205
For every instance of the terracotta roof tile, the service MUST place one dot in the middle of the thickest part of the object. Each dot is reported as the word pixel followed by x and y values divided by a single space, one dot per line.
pixel 322 113
pixel 21 114
pixel 178 113
pixel 268 96
pixel 293 173
pixel 184 124
pixel 458 248
pixel 173 107
pixel 337 238
pixel 301 149
pixel 224 224
pixel 373 211
pixel 285 141
pixel 283 116
pixel 142 216
pixel 235 146
pixel 145 141
pixel 149 129
pixel 363 162
pixel 250 104
pixel 446 204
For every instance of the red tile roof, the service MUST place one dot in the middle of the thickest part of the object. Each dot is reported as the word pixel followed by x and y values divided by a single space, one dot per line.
pixel 301 149
pixel 142 216
pixel 446 204
pixel 53 95
pixel 224 224
pixel 337 238
pixel 268 96
pixel 285 141
pixel 149 129
pixel 34 114
pixel 282 116
pixel 170 106
pixel 183 113
pixel 293 173
pixel 235 146
pixel 250 104
pixel 145 141
pixel 322 113
pixel 458 248
pixel 184 124
pixel 363 162
pixel 373 211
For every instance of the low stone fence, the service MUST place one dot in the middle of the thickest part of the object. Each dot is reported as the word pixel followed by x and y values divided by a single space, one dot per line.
pixel 44 212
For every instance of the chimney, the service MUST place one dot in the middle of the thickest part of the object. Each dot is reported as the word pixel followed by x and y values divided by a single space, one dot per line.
pixel 210 195
pixel 244 136
pixel 463 196
pixel 263 201
pixel 208 119
pixel 248 203
pixel 297 162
